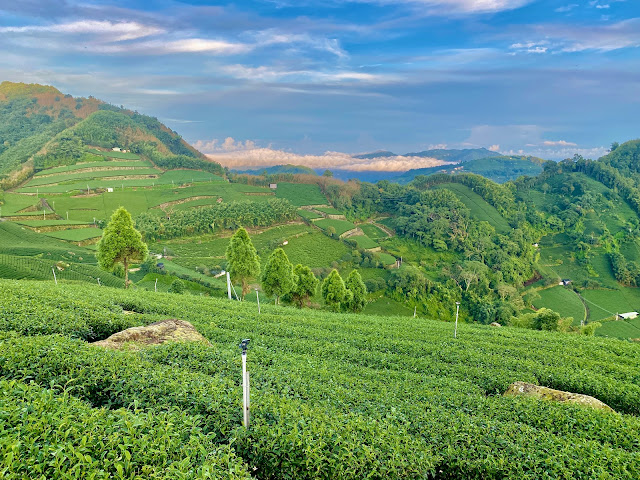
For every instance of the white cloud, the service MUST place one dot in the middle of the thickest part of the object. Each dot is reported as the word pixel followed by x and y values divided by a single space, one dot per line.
pixel 559 153
pixel 198 45
pixel 274 37
pixel 604 38
pixel 494 148
pixel 566 8
pixel 461 6
pixel 559 143
pixel 245 155
pixel 227 145
pixel 272 74
pixel 529 47
pixel 118 31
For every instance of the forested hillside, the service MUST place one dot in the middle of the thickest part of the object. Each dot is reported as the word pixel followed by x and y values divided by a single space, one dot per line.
pixel 40 128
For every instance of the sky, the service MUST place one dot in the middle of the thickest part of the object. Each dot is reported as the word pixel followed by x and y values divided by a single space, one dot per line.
pixel 264 82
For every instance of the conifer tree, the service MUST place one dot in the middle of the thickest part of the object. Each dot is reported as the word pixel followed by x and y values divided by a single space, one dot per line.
pixel 333 290
pixel 243 260
pixel 358 292
pixel 305 286
pixel 278 278
pixel 121 243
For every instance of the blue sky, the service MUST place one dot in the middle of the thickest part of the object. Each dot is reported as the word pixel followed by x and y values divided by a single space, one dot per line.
pixel 283 78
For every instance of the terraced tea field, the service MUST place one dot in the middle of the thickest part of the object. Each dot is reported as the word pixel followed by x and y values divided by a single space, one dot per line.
pixel 333 395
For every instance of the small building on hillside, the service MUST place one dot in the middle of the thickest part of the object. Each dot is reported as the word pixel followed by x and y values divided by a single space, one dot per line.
pixel 627 316
pixel 565 282
pixel 273 186
pixel 115 149
pixel 109 189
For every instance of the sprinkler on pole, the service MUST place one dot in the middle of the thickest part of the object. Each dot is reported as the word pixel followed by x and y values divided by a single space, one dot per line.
pixel 245 383
pixel 455 331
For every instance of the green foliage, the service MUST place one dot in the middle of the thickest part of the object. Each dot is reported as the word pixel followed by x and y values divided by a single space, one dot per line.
pixel 278 277
pixel 362 241
pixel 358 292
pixel 242 259
pixel 224 215
pixel 407 282
pixel 53 435
pixel 339 226
pixel 121 243
pixel 76 234
pixel 39 310
pixel 308 214
pixel 385 397
pixel 305 285
pixel 177 286
pixel 300 194
pixel 334 290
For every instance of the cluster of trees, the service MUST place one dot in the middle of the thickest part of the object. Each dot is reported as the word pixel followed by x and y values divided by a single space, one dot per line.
pixel 626 272
pixel 283 281
pixel 223 215
pixel 349 296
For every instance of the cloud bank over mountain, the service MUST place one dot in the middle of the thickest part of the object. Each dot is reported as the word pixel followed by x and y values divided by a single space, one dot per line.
pixel 247 158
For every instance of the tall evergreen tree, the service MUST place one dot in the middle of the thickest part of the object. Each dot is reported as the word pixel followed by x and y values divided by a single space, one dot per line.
pixel 121 243
pixel 358 297
pixel 278 278
pixel 243 260
pixel 333 290
pixel 305 285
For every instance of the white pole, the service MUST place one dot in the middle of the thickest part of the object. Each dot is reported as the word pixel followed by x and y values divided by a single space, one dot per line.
pixel 54 274
pixel 455 332
pixel 99 282
pixel 67 215
pixel 415 308
pixel 245 387
pixel 155 287
pixel 258 297
pixel 229 285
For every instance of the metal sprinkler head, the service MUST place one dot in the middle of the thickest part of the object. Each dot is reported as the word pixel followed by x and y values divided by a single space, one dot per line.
pixel 243 345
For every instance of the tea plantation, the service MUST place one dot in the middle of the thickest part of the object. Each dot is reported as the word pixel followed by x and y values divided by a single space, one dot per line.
pixel 333 396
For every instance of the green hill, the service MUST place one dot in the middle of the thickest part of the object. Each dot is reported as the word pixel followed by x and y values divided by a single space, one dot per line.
pixel 40 127
pixel 326 400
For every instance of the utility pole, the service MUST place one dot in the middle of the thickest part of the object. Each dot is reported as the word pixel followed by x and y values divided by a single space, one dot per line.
pixel 245 384
pixel 455 332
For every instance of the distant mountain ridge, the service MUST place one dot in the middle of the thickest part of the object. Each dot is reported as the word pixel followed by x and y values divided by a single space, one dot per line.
pixel 500 169
pixel 446 155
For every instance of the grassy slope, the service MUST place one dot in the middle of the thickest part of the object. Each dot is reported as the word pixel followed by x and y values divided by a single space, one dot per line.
pixel 480 209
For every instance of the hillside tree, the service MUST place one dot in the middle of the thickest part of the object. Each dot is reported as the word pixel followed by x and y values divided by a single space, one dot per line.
pixel 278 278
pixel 121 243
pixel 243 260
pixel 334 290
pixel 305 286
pixel 357 298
